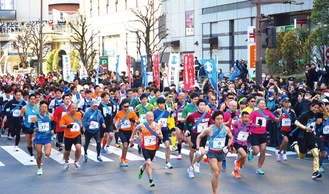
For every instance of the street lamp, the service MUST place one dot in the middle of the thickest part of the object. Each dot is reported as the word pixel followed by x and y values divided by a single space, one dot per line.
pixel 258 32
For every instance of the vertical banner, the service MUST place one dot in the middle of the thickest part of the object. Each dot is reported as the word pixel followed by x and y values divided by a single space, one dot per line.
pixel 117 68
pixel 173 69
pixel 210 68
pixel 83 74
pixel 188 70
pixel 189 23
pixel 143 67
pixel 66 68
pixel 251 52
pixel 156 70
pixel 128 67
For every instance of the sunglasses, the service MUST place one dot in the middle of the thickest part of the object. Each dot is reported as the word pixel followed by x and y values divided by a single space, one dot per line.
pixel 170 96
pixel 252 101
pixel 125 106
pixel 111 93
pixel 231 98
pixel 213 99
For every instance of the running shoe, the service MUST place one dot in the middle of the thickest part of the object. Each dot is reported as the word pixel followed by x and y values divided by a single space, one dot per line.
pixel 139 149
pixel 60 148
pixel 117 145
pixel 66 166
pixel 321 169
pixel 250 156
pixel 85 157
pixel 140 172
pixel 152 184
pixel 179 157
pixel 284 157
pixel 125 162
pixel 190 172
pixel 9 137
pixel 121 164
pixel 236 174
pixel 316 175
pixel 174 148
pixel 16 148
pixel 224 164
pixel 99 158
pixel 236 165
pixel 196 167
pixel 292 146
pixel 277 156
pixel 131 145
pixel 77 165
pixel 39 172
pixel 32 159
pixel 168 166
pixel 103 150
pixel 260 171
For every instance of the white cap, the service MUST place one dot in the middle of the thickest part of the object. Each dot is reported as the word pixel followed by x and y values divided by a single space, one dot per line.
pixel 94 103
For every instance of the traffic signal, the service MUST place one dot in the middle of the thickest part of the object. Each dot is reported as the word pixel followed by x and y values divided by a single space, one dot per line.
pixel 270 37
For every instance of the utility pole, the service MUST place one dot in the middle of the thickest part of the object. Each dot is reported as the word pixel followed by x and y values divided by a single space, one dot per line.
pixel 40 49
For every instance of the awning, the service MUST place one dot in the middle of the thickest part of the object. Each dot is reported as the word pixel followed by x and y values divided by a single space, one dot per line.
pixel 174 43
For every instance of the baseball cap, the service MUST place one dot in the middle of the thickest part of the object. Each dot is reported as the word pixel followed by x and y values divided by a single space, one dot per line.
pixel 286 99
pixel 94 103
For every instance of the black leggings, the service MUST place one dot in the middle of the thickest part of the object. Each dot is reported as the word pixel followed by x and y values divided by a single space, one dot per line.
pixel 15 130
pixel 97 138
pixel 60 137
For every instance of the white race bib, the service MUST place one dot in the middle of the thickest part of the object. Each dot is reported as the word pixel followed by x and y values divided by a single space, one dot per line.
pixel 105 111
pixel 243 136
pixel 75 127
pixel 131 108
pixel 163 122
pixel 43 127
pixel 126 124
pixel 326 130
pixel 180 116
pixel 93 125
pixel 286 122
pixel 29 118
pixel 219 143
pixel 142 118
pixel 263 121
pixel 201 127
pixel 16 113
pixel 149 140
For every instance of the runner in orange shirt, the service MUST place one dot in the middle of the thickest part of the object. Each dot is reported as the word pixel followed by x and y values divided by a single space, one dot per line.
pixel 124 121
pixel 71 123
pixel 150 134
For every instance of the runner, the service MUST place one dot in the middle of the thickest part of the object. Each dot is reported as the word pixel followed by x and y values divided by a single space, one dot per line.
pixel 258 137
pixel 179 107
pixel 13 114
pixel 43 133
pixel 150 136
pixel 170 107
pixel 251 100
pixel 29 113
pixel 199 120
pixel 115 101
pixel 91 120
pixel 217 135
pixel 71 123
pixel 124 121
pixel 161 117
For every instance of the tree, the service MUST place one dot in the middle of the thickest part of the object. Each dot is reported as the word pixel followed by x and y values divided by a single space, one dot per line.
pixel 320 13
pixel 274 56
pixel 151 32
pixel 52 61
pixel 74 60
pixel 22 44
pixel 83 40
pixel 318 42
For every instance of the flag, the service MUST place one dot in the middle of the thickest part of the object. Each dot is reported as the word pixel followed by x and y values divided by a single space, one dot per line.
pixel 66 68
pixel 143 66
pixel 210 68
pixel 117 68
pixel 173 69
pixel 83 74
pixel 188 74
pixel 156 70
pixel 129 74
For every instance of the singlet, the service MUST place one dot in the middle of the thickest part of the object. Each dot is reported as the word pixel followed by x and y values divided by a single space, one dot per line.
pixel 29 114
pixel 148 140
pixel 217 141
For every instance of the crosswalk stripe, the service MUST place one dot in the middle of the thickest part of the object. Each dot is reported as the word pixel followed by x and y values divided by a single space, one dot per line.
pixel 92 155
pixel 58 157
pixel 117 151
pixel 158 153
pixel 1 164
pixel 19 155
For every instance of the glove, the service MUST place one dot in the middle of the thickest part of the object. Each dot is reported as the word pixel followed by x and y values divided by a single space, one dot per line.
pixel 260 122
pixel 132 120
pixel 69 126
pixel 232 114
pixel 225 150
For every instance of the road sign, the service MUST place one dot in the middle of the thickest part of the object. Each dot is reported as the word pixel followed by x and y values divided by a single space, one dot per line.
pixel 327 54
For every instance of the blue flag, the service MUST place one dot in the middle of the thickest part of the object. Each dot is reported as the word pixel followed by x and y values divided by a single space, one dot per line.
pixel 143 66
pixel 117 68
pixel 210 68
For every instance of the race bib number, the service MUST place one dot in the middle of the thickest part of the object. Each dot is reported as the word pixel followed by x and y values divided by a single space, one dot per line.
pixel 142 118
pixel 131 108
pixel 163 122
pixel 180 116
pixel 286 122
pixel 312 125
pixel 326 130
pixel 243 136
pixel 43 127
pixel 218 143
pixel 93 125
pixel 149 140
pixel 29 118
pixel 201 127
pixel 126 124
pixel 263 121
pixel 16 113
pixel 75 127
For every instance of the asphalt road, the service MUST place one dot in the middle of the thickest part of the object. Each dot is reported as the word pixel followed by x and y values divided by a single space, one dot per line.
pixel 18 175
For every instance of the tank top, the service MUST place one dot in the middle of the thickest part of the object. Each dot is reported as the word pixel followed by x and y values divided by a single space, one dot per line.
pixel 29 114
pixel 217 140
pixel 148 140
pixel 44 126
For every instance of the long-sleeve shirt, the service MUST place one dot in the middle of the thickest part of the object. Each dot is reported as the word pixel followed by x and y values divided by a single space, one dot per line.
pixel 13 113
pixel 92 121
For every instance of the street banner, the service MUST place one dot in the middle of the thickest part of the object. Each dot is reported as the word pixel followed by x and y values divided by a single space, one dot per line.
pixel 143 67
pixel 251 51
pixel 156 70
pixel 83 74
pixel 128 67
pixel 66 68
pixel 210 68
pixel 173 69
pixel 188 72
pixel 117 68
